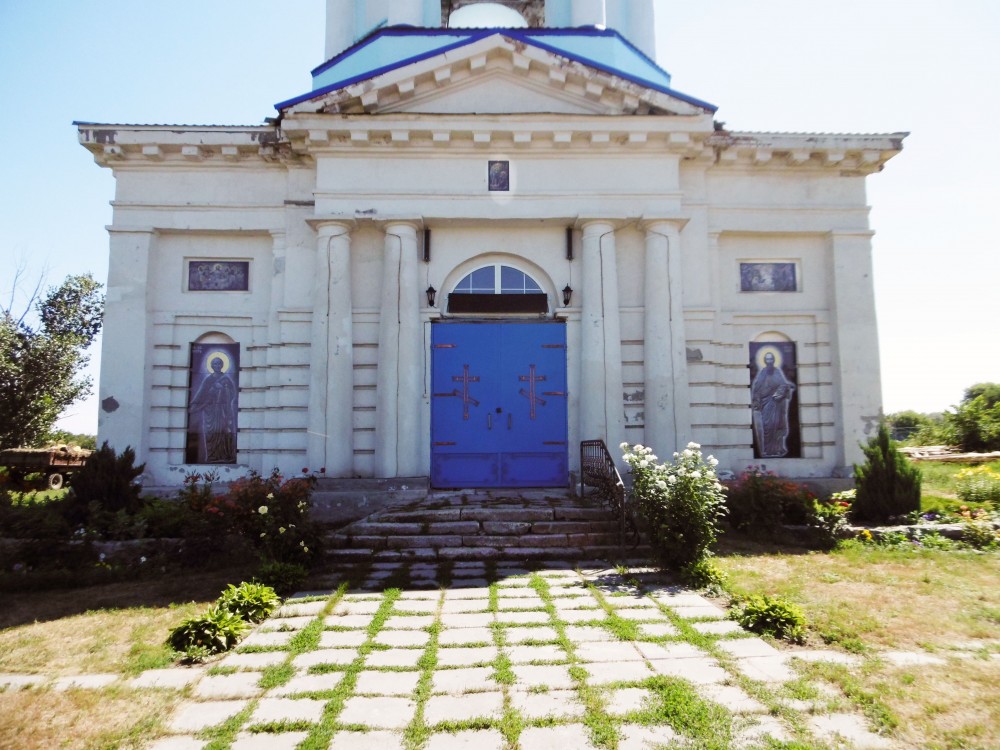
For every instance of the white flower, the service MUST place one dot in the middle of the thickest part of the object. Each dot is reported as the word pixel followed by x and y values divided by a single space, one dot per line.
pixel 713 460
pixel 623 447
pixel 270 496
pixel 681 473
pixel 671 479
pixel 643 464
pixel 651 457
pixel 639 448
pixel 263 534
pixel 262 510
pixel 660 484
pixel 142 560
pixel 687 453
pixel 694 446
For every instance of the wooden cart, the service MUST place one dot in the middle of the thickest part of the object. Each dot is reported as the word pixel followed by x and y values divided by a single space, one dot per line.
pixel 55 462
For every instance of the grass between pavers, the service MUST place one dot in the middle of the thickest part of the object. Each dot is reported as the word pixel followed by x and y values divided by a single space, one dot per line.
pixel 417 732
pixel 676 702
pixel 599 723
pixel 321 734
pixel 222 736
pixel 757 690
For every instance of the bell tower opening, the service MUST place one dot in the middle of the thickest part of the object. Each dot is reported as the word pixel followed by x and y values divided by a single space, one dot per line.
pixel 500 13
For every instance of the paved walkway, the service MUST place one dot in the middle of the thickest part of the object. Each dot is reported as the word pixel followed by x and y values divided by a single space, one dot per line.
pixel 498 657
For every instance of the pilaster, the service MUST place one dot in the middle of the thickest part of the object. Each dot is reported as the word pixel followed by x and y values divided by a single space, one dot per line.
pixel 399 393
pixel 855 339
pixel 602 414
pixel 667 401
pixel 126 371
pixel 331 378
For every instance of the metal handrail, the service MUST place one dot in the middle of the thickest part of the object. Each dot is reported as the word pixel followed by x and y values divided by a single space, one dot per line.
pixel 597 469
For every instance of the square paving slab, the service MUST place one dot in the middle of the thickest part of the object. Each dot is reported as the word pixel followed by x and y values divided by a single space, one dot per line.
pixel 378 713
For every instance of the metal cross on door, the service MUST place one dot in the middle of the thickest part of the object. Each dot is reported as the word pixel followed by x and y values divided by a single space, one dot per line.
pixel 506 425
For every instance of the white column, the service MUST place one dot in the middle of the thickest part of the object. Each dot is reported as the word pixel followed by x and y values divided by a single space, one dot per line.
pixel 857 372
pixel 340 24
pixel 588 13
pixel 634 20
pixel 398 394
pixel 331 379
pixel 126 350
pixel 602 412
pixel 667 403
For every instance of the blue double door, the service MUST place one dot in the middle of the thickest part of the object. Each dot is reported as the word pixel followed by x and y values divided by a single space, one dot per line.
pixel 498 408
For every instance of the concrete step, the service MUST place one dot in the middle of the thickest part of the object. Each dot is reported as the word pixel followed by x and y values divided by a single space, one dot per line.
pixel 472 525
pixel 486 554
pixel 483 528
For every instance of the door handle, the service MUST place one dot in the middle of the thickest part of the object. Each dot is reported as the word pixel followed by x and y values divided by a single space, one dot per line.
pixel 489 421
pixel 510 420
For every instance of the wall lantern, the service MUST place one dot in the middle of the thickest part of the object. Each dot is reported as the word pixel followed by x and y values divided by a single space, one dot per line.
pixel 431 296
pixel 567 295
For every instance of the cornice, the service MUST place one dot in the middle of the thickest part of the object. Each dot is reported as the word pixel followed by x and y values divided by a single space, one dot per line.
pixel 853 154
pixel 318 134
pixel 114 145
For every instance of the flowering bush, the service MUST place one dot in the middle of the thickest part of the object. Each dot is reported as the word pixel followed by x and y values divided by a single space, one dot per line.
pixel 979 484
pixel 275 515
pixel 760 501
pixel 680 502
pixel 269 512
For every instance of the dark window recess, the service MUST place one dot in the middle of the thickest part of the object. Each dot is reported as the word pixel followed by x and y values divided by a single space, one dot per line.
pixel 498 303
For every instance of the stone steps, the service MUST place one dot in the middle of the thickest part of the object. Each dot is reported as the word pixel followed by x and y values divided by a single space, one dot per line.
pixel 482 526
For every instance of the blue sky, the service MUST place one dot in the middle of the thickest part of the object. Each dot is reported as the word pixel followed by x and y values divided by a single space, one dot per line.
pixel 772 65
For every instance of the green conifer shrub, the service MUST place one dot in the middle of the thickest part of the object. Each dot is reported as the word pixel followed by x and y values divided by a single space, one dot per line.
pixel 888 484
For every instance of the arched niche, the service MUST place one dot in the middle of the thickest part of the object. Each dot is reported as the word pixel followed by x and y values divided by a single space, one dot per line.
pixel 213 400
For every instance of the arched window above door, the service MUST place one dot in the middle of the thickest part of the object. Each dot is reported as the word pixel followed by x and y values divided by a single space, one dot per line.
pixel 497 288
pixel 497 279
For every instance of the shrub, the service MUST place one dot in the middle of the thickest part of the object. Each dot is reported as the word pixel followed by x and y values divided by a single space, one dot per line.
pixel 761 503
pixel 705 574
pixel 215 631
pixel 771 616
pixel 107 482
pixel 978 484
pixel 253 602
pixel 680 503
pixel 980 535
pixel 887 484
pixel 285 578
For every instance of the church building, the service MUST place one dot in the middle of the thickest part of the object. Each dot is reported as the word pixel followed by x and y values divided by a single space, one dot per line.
pixel 490 231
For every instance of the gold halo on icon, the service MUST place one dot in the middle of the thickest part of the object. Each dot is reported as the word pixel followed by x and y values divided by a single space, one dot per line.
pixel 764 351
pixel 218 354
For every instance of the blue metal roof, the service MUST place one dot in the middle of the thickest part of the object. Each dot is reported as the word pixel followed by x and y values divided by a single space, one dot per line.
pixel 395 47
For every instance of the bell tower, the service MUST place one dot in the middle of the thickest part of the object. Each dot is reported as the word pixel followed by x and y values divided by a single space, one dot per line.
pixel 348 21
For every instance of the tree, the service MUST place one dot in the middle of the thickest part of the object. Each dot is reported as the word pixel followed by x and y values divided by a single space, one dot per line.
pixel 902 424
pixel 976 421
pixel 40 364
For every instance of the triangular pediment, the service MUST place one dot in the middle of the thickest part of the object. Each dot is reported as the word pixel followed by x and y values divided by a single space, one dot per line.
pixel 497 73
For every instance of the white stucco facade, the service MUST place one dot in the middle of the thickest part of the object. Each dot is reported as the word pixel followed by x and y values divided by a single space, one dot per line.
pixel 330 208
